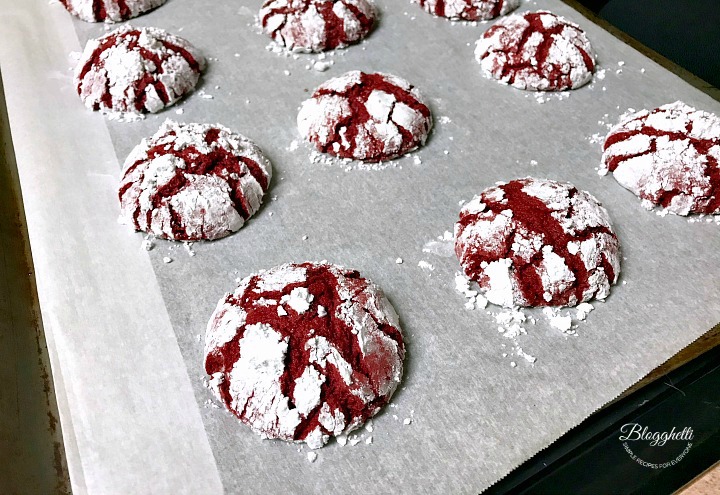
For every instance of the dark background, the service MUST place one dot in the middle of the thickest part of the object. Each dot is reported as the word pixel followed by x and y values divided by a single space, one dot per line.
pixel 684 31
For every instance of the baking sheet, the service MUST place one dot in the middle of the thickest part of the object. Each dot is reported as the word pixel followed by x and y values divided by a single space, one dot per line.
pixel 474 416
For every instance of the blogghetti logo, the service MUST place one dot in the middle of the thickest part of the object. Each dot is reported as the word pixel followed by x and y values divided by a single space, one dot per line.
pixel 654 449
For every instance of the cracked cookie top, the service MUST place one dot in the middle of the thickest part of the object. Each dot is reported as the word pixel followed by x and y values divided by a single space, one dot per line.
pixel 669 157
pixel 137 70
pixel 109 10
pixel 537 242
pixel 317 25
pixel 303 352
pixel 193 181
pixel 369 117
pixel 537 51
pixel 469 10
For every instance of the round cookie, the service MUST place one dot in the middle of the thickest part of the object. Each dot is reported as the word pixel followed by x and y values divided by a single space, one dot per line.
pixel 193 181
pixel 317 25
pixel 369 117
pixel 537 51
pixel 669 157
pixel 469 10
pixel 537 242
pixel 302 352
pixel 109 10
pixel 137 70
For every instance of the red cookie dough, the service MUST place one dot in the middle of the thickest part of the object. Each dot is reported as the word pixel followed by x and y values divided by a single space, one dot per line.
pixel 537 51
pixel 469 10
pixel 137 70
pixel 109 10
pixel 317 25
pixel 305 351
pixel 369 117
pixel 537 242
pixel 669 157
pixel 193 181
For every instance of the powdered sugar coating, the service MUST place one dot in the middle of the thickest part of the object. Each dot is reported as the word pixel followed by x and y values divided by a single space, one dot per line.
pixel 537 242
pixel 669 157
pixel 305 351
pixel 537 51
pixel 109 10
pixel 469 10
pixel 369 117
pixel 193 181
pixel 317 25
pixel 137 70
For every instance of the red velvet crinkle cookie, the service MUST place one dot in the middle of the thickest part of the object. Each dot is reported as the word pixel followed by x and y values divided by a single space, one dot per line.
pixel 369 117
pixel 305 351
pixel 669 157
pixel 109 10
pixel 317 25
pixel 193 181
pixel 469 10
pixel 537 51
pixel 137 70
pixel 537 242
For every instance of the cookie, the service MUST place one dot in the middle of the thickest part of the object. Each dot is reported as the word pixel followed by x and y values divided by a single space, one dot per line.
pixel 369 117
pixel 305 351
pixel 193 181
pixel 317 25
pixel 109 10
pixel 537 242
pixel 469 10
pixel 537 51
pixel 669 157
pixel 137 70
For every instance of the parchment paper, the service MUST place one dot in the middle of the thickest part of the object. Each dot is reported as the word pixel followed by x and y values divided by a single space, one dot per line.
pixel 474 417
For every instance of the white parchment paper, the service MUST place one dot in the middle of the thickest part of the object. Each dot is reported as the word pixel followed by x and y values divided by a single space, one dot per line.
pixel 474 417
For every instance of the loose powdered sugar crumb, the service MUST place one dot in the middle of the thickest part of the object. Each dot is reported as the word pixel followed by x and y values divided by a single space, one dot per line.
pixel 426 267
